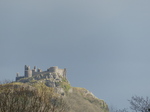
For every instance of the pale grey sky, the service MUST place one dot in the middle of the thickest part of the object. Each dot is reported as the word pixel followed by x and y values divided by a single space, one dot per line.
pixel 104 44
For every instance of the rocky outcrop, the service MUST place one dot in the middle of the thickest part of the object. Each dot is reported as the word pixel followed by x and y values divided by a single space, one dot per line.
pixel 78 99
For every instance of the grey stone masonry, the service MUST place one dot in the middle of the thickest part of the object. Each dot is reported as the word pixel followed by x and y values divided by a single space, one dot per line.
pixel 30 73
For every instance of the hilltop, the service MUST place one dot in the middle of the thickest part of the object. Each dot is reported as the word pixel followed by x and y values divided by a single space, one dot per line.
pixel 78 99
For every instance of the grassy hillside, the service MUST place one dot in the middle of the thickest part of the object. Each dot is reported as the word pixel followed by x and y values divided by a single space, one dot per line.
pixel 74 99
pixel 80 100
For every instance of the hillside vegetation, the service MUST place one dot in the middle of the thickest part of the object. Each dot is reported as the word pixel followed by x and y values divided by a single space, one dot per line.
pixel 54 94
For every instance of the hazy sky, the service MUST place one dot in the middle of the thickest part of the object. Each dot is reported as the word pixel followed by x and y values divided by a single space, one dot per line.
pixel 104 44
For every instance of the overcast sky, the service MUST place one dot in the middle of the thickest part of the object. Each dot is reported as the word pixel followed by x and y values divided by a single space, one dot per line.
pixel 104 44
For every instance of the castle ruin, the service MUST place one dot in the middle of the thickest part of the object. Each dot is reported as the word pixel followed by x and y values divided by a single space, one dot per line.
pixel 30 73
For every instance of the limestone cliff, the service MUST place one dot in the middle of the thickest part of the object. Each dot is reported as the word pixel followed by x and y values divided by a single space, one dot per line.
pixel 79 99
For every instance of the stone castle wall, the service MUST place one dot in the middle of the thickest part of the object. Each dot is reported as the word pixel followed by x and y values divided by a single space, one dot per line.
pixel 29 73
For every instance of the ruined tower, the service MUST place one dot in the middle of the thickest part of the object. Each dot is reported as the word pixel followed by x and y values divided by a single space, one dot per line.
pixel 53 69
pixel 27 71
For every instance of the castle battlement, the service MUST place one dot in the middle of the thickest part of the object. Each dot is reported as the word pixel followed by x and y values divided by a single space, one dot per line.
pixel 30 73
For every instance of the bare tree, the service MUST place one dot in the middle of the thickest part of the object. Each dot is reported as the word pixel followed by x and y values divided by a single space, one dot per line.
pixel 137 104
pixel 140 104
